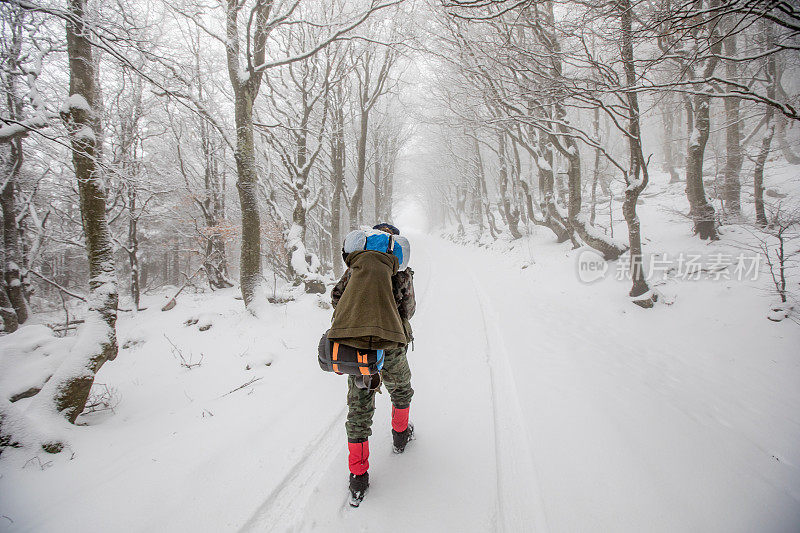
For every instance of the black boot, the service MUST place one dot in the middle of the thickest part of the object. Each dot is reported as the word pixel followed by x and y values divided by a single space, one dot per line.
pixel 358 487
pixel 401 438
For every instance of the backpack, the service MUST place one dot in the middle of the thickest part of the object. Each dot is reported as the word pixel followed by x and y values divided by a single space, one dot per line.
pixel 333 356
pixel 379 241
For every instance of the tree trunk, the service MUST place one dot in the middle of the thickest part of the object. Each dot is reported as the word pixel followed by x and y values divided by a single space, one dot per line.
pixel 176 261
pixel 7 313
pixel 68 389
pixel 552 217
pixel 610 249
pixel 780 120
pixel 701 211
pixel 133 246
pixel 510 214
pixel 574 221
pixel 337 177
pixel 668 115
pixel 596 176
pixel 734 157
pixel 11 241
pixel 769 132
pixel 13 159
pixel 246 83
pixel 639 290
pixel 388 193
pixel 376 170
pixel 215 262
pixel 361 162
pixel 247 184
pixel 479 185
pixel 780 132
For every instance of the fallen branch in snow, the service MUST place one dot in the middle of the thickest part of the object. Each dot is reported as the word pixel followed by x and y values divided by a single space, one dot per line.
pixel 240 387
pixel 186 363
pixel 173 302
pixel 65 326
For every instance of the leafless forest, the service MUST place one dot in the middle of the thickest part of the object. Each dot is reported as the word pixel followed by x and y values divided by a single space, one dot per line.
pixel 195 145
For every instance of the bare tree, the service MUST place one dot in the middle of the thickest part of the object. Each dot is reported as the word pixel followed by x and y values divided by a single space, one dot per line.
pixel 299 101
pixel 16 24
pixel 67 391
pixel 372 69
pixel 247 63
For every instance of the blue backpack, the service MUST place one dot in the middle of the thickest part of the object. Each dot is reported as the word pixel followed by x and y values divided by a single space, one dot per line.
pixel 379 241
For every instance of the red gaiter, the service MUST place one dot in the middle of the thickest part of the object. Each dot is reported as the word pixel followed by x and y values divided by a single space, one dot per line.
pixel 359 457
pixel 400 419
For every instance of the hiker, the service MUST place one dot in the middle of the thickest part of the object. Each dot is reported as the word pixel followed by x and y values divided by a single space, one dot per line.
pixel 375 306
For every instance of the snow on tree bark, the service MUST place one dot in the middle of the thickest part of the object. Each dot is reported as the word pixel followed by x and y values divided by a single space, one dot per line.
pixel 12 156
pixel 610 248
pixel 769 133
pixel 13 282
pixel 68 389
pixel 640 291
pixel 245 86
pixel 701 211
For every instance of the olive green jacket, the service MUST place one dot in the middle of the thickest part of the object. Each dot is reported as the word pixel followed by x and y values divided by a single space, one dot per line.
pixel 366 315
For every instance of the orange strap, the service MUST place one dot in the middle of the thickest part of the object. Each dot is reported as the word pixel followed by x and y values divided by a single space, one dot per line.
pixel 362 360
pixel 335 356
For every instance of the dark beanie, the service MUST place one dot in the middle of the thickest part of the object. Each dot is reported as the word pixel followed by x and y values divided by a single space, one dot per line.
pixel 384 226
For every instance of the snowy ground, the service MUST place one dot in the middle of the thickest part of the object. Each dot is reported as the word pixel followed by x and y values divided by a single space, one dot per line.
pixel 542 404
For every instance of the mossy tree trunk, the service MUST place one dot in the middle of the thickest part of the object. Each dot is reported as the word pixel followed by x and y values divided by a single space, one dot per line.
pixel 69 387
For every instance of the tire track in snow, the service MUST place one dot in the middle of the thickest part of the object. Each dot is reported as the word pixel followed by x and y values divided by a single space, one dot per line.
pixel 286 504
pixel 519 504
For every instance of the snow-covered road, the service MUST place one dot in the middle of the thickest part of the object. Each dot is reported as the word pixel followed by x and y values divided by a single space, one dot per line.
pixel 541 404
pixel 536 411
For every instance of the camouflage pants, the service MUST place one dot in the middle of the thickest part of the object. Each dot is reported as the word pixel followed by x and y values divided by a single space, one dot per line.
pixel 361 403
